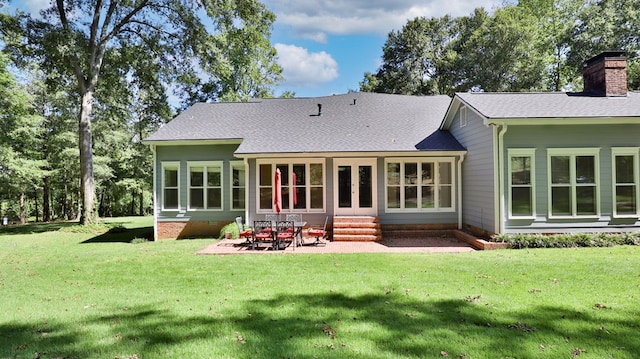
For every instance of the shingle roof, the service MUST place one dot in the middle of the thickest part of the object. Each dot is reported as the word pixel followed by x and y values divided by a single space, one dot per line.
pixel 552 105
pixel 354 122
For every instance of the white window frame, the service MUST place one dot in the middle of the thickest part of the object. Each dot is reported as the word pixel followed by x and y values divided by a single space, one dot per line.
pixel 233 165
pixel 436 184
pixel 463 116
pixel 522 152
pixel 572 153
pixel 169 165
pixel 307 162
pixel 625 151
pixel 205 165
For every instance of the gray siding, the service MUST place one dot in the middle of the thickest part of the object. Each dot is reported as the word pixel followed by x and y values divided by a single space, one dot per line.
pixel 185 154
pixel 478 192
pixel 542 138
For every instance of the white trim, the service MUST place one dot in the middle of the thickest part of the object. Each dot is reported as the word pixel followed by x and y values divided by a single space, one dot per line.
pixel 573 184
pixel 355 209
pixel 163 166
pixel 531 154
pixel 206 165
pixel 463 116
pixel 625 151
pixel 155 193
pixel 229 141
pixel 436 184
pixel 338 155
pixel 290 162
pixel 241 165
pixel 559 121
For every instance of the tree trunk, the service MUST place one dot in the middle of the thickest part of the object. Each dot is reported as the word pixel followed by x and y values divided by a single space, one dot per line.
pixel 46 209
pixel 35 200
pixel 141 204
pixel 22 214
pixel 87 184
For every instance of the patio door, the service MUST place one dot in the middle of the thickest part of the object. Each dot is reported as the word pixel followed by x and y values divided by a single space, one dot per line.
pixel 355 186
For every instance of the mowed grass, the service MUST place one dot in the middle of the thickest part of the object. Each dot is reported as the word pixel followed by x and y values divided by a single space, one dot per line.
pixel 84 295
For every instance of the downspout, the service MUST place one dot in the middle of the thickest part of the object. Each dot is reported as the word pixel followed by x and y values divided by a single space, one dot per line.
pixel 155 196
pixel 460 191
pixel 500 208
pixel 246 191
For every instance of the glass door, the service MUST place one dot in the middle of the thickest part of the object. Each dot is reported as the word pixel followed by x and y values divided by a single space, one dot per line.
pixel 355 183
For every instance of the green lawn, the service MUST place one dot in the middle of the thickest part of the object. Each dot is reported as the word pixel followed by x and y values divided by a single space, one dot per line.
pixel 83 295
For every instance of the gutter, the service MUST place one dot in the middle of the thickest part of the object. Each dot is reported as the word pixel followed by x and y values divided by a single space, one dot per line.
pixel 500 208
pixel 155 196
pixel 460 191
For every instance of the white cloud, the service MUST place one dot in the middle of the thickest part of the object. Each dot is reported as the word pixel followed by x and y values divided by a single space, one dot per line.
pixel 310 19
pixel 302 68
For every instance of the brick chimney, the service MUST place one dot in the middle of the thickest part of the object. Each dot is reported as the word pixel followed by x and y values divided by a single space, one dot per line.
pixel 606 74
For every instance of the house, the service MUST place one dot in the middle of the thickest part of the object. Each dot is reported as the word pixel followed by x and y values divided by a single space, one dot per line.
pixel 484 162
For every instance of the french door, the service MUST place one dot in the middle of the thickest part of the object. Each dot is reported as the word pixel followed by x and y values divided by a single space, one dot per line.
pixel 355 186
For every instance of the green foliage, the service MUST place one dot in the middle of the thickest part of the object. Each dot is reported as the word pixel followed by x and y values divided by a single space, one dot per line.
pixel 229 228
pixel 534 45
pixel 568 240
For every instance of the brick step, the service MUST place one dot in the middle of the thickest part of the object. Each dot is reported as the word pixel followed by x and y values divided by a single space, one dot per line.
pixel 355 225
pixel 355 219
pixel 357 231
pixel 356 238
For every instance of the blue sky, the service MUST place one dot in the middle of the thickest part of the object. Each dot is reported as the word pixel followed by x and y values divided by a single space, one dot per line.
pixel 326 46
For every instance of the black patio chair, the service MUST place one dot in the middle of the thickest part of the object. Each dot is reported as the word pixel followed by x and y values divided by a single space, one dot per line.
pixel 247 234
pixel 262 234
pixel 320 233
pixel 285 234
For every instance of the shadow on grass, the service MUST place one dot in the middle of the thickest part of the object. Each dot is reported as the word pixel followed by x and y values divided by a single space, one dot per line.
pixel 31 228
pixel 337 326
pixel 123 235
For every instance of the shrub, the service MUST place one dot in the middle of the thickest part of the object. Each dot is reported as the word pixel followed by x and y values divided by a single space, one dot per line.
pixel 568 240
pixel 231 227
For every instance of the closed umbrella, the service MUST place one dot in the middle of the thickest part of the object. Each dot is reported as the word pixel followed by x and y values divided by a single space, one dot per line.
pixel 295 192
pixel 277 192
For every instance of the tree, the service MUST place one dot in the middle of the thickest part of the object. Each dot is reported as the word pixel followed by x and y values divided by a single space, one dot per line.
pixel 21 164
pixel 76 37
pixel 608 25
pixel 497 53
pixel 415 59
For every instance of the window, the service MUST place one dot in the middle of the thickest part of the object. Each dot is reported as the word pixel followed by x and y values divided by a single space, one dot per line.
pixel 574 179
pixel 238 185
pixel 419 185
pixel 302 185
pixel 170 185
pixel 463 116
pixel 205 185
pixel 625 182
pixel 521 183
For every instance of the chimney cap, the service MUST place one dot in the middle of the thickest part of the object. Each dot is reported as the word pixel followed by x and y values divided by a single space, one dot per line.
pixel 606 55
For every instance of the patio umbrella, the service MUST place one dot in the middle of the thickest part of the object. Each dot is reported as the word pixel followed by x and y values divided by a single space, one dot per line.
pixel 295 192
pixel 277 192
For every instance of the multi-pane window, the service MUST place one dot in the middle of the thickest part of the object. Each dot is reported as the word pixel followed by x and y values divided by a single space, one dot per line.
pixel 625 182
pixel 521 182
pixel 574 179
pixel 238 185
pixel 419 185
pixel 302 185
pixel 170 185
pixel 205 185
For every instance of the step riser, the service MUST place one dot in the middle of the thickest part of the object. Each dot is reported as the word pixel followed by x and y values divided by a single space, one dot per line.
pixel 356 229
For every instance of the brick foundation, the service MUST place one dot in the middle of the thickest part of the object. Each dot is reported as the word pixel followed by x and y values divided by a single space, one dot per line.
pixel 180 230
